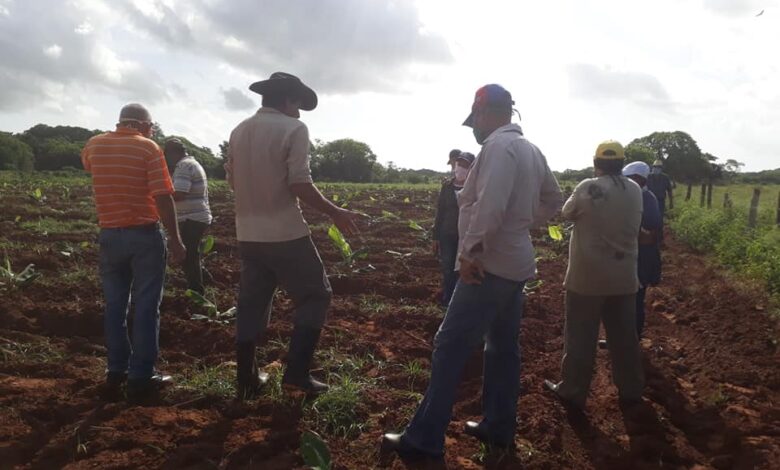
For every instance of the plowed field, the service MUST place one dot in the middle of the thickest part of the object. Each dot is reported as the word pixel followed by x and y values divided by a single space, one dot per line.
pixel 710 354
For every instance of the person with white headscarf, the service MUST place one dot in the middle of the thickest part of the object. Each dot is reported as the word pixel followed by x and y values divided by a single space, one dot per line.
pixel 649 265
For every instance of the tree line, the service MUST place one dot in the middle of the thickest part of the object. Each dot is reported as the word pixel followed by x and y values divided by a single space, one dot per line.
pixel 684 162
pixel 44 147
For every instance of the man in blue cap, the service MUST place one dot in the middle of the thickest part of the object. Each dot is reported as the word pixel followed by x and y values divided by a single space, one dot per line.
pixel 510 190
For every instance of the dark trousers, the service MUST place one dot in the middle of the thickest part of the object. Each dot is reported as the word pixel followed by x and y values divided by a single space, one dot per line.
pixel 448 252
pixel 489 313
pixel 584 313
pixel 295 266
pixel 640 311
pixel 662 209
pixel 132 260
pixel 191 235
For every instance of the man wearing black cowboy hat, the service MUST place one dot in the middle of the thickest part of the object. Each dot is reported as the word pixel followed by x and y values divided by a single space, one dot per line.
pixel 268 169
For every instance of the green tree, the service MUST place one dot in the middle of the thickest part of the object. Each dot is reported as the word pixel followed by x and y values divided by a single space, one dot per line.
pixel 14 153
pixel 682 157
pixel 343 160
pixel 211 164
pixel 639 153
pixel 58 153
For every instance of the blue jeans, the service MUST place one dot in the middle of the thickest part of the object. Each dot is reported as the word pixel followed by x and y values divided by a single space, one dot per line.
pixel 448 253
pixel 489 312
pixel 132 259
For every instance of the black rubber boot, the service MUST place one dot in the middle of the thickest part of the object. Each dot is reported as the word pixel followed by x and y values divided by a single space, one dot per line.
pixel 302 345
pixel 249 380
pixel 146 391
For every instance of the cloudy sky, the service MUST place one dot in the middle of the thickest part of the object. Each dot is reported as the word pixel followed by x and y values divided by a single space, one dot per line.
pixel 400 75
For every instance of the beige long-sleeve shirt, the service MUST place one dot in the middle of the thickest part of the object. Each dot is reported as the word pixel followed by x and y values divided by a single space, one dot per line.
pixel 509 191
pixel 268 152
pixel 603 250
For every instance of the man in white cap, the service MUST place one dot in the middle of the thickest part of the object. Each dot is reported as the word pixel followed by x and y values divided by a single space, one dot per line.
pixel 133 194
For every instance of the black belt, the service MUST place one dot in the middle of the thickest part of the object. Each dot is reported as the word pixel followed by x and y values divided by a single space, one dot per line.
pixel 143 228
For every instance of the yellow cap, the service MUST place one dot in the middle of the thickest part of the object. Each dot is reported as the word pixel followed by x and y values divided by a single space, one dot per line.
pixel 610 150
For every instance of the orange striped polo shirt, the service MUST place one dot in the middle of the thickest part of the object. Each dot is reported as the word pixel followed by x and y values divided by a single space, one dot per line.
pixel 128 171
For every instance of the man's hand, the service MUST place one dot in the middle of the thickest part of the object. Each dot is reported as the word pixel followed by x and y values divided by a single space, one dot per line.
pixel 435 248
pixel 345 220
pixel 178 252
pixel 471 271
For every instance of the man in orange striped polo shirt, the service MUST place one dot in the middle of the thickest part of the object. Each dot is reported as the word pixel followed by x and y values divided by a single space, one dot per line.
pixel 133 192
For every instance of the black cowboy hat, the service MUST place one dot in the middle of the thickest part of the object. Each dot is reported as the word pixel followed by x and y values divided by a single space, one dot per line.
pixel 281 82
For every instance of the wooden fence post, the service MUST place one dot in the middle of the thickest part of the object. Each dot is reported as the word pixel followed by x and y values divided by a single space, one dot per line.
pixel 726 200
pixel 753 217
pixel 709 195
pixel 703 194
pixel 688 193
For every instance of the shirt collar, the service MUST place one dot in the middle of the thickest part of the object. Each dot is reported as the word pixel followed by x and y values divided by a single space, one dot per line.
pixel 127 130
pixel 269 110
pixel 511 127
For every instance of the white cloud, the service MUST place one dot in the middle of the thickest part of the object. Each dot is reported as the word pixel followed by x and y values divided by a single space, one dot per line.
pixel 336 45
pixel 236 100
pixel 400 74
pixel 84 28
pixel 54 51
pixel 597 84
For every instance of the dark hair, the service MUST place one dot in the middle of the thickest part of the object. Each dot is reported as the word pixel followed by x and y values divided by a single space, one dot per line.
pixel 613 169
pixel 609 167
pixel 277 100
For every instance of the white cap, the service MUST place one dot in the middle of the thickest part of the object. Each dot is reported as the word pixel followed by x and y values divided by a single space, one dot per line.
pixel 637 168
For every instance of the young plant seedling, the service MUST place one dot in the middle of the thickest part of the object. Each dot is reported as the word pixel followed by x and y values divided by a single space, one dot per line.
pixel 20 279
pixel 347 255
pixel 315 452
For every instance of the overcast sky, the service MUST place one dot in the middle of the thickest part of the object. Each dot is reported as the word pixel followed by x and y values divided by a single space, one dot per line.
pixel 401 75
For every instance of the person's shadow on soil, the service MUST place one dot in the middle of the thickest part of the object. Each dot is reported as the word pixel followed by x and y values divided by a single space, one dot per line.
pixel 602 451
pixel 702 426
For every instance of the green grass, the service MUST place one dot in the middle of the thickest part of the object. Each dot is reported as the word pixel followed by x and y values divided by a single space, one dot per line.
pixel 210 380
pixel 336 411
pixel 415 371
pixel 22 352
pixel 51 226
pixel 372 304
pixel 754 252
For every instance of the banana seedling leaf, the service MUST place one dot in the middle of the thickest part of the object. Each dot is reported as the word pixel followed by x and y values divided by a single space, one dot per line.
pixel 340 242
pixel 555 232
pixel 28 275
pixel 207 245
pixel 199 300
pixel 315 452
pixel 415 226
pixel 229 313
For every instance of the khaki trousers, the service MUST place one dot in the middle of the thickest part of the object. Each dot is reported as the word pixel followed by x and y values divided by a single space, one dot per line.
pixel 583 316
